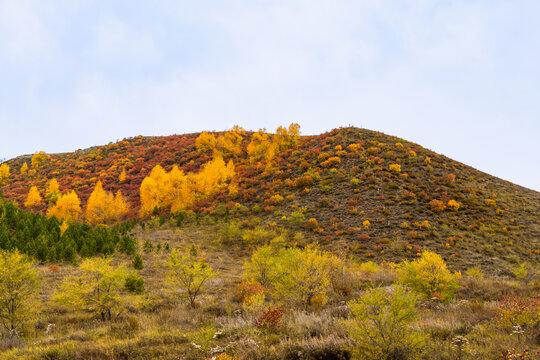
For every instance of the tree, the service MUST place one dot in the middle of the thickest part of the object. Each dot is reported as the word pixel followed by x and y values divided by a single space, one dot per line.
pixel 429 276
pixel 122 176
pixel 103 207
pixel 287 138
pixel 67 207
pixel 297 276
pixel 24 168
pixel 33 198
pixel 53 191
pixel 305 278
pixel 4 172
pixel 138 262
pixel 230 143
pixel 381 324
pixel 261 147
pixel 188 273
pixel 175 191
pixel 19 285
pixel 96 288
pixel 263 266
pixel 39 159
pixel 205 142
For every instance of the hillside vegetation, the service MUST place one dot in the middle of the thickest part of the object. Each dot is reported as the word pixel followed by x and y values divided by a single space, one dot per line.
pixel 241 245
pixel 378 196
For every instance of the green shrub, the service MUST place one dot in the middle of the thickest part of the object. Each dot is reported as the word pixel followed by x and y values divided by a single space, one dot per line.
pixel 138 262
pixel 134 283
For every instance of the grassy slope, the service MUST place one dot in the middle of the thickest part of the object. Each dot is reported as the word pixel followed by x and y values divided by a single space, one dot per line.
pixel 493 236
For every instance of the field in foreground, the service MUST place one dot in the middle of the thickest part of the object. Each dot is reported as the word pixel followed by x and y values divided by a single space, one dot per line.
pixel 157 325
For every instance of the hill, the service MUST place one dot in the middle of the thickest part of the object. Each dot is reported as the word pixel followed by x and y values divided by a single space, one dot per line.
pixel 370 194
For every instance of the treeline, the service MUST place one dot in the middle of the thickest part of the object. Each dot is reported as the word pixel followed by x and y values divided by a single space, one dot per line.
pixel 47 239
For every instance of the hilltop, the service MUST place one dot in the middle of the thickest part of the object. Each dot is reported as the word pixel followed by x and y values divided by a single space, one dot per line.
pixel 373 195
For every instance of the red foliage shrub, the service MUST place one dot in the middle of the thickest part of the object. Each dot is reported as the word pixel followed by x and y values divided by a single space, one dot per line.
pixel 270 319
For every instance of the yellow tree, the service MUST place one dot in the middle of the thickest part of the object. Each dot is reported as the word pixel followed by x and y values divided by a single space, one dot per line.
pixel 120 206
pixel 24 168
pixel 287 138
pixel 188 274
pixel 33 198
pixel 152 189
pixel 213 176
pixel 205 142
pixel 53 191
pixel 96 288
pixel 4 172
pixel 19 285
pixel 429 276
pixel 39 159
pixel 122 176
pixel 261 147
pixel 67 207
pixel 103 207
pixel 230 143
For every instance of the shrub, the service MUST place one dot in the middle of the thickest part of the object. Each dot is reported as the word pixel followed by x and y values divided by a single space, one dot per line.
pixel 134 283
pixel 270 319
pixel 331 162
pixel 475 273
pixel 454 205
pixel 275 199
pixel 296 218
pixel 437 205
pixel 355 182
pixel 520 272
pixel 366 224
pixel 138 262
pixel 429 275
pixel 515 311
pixel 381 324
pixel 395 168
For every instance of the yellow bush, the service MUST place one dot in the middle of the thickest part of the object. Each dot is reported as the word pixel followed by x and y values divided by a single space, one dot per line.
pixel 395 168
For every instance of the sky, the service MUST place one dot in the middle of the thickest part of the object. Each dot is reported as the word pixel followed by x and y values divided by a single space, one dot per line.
pixel 460 77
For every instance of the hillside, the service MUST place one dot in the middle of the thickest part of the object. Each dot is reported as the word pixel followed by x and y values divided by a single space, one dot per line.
pixel 342 189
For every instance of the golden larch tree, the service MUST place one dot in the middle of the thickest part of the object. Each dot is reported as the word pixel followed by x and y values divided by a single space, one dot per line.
pixel 205 142
pixel 103 207
pixel 33 198
pixel 67 207
pixel 24 168
pixel 39 159
pixel 4 172
pixel 52 193
pixel 230 143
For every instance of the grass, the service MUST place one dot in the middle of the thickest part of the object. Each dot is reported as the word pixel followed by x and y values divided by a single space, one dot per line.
pixel 161 327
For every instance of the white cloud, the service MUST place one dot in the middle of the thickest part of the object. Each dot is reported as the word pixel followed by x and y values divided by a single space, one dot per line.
pixel 22 34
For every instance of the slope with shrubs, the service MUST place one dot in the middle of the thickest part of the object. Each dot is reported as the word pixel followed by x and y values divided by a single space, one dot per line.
pixel 375 195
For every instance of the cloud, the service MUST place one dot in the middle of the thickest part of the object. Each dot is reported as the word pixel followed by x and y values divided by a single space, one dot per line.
pixel 22 34
pixel 437 73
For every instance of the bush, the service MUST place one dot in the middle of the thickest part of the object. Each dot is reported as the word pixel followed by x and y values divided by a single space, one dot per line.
pixel 134 283
pixel 515 311
pixel 270 319
pixel 138 262
pixel 428 275
pixel 381 328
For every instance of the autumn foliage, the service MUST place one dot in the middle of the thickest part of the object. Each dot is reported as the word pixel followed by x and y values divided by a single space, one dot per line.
pixel 67 207
pixel 103 207
pixel 175 190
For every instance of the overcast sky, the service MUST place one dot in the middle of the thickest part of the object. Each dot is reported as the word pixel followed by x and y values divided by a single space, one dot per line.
pixel 461 78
